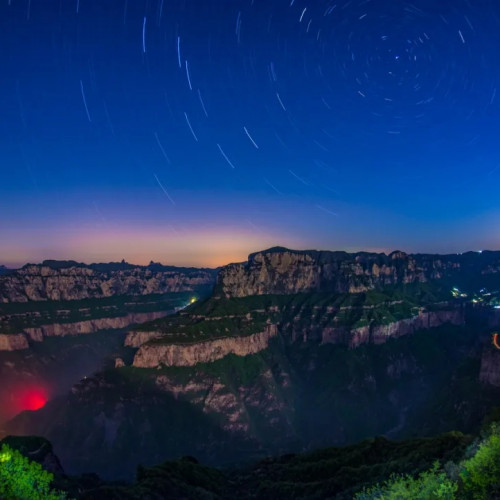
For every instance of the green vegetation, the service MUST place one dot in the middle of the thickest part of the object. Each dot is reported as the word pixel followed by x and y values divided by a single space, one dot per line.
pixel 298 313
pixel 429 485
pixel 377 468
pixel 480 474
pixel 449 466
pixel 478 477
pixel 327 473
pixel 21 478
pixel 14 317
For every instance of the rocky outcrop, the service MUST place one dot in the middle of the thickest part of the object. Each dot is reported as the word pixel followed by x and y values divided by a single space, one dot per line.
pixel 216 398
pixel 378 334
pixel 490 366
pixel 19 341
pixel 119 362
pixel 283 271
pixel 136 339
pixel 13 342
pixel 152 355
pixel 91 326
pixel 42 282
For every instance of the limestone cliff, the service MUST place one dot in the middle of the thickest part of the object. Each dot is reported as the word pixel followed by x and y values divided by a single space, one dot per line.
pixel 19 341
pixel 283 271
pixel 13 342
pixel 378 334
pixel 137 338
pixel 152 355
pixel 43 282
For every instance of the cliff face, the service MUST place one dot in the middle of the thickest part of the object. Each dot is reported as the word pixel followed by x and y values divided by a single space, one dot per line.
pixel 282 271
pixel 378 334
pixel 153 355
pixel 19 341
pixel 39 282
pixel 490 367
pixel 13 342
pixel 91 326
pixel 137 338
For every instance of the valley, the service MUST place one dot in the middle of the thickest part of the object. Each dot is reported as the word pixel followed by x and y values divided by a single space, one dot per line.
pixel 233 377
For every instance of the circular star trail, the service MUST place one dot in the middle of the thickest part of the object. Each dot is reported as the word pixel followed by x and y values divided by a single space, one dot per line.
pixel 196 132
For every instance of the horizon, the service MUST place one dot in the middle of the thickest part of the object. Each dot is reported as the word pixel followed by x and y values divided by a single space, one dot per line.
pixel 245 259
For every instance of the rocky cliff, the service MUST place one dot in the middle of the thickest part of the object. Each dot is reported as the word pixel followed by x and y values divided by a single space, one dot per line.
pixel 137 338
pixel 325 297
pixel 282 271
pixel 78 281
pixel 378 334
pixel 19 341
pixel 13 342
pixel 490 366
pixel 152 355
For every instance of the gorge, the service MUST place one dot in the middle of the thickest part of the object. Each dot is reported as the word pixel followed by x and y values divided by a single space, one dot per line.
pixel 289 352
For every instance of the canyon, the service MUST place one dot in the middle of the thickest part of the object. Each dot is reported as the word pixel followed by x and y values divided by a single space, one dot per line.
pixel 291 351
pixel 67 298
pixel 20 341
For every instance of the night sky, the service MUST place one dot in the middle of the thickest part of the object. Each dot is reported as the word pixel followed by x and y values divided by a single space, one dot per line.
pixel 195 132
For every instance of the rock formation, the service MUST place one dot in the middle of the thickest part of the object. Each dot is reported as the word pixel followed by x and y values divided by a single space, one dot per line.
pixel 137 338
pixel 283 271
pixel 378 334
pixel 13 342
pixel 490 366
pixel 151 355
pixel 19 341
pixel 42 282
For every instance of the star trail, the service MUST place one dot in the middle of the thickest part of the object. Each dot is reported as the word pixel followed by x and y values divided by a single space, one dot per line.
pixel 194 133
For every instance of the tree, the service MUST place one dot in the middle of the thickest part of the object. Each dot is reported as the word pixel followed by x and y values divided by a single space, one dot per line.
pixel 22 479
pixel 480 474
pixel 429 485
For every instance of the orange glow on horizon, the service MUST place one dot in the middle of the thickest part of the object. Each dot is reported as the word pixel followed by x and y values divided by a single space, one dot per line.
pixel 204 247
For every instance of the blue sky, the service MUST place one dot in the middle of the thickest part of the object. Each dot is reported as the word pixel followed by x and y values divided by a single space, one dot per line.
pixel 194 133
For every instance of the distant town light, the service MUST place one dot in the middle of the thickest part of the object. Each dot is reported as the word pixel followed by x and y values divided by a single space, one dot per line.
pixel 192 300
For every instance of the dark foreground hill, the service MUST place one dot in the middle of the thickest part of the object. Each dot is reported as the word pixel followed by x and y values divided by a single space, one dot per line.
pixel 449 466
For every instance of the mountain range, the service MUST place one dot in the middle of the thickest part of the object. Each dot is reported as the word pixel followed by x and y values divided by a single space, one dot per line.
pixel 284 353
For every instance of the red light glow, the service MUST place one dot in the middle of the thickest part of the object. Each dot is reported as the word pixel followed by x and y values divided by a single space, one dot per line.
pixel 32 398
